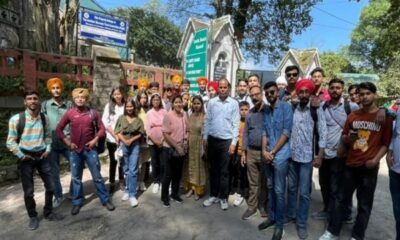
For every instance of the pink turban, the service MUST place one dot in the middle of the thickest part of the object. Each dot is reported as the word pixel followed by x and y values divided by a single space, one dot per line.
pixel 214 85
pixel 305 83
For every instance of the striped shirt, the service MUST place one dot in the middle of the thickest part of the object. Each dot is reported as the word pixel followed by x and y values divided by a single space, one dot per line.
pixel 31 139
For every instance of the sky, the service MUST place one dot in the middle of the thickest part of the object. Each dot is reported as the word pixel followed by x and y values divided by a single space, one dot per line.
pixel 333 21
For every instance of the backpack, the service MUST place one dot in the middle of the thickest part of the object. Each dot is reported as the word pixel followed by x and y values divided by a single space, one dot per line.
pixel 21 125
pixel 101 143
pixel 346 104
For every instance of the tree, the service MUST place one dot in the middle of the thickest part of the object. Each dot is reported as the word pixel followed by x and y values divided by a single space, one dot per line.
pixel 153 37
pixel 334 63
pixel 389 84
pixel 261 26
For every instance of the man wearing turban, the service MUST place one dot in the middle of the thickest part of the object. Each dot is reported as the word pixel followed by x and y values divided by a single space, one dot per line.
pixel 176 81
pixel 55 108
pixel 212 89
pixel 86 130
pixel 202 82
pixel 143 84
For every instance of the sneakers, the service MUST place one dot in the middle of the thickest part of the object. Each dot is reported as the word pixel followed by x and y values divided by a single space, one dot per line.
pixel 266 224
pixel 248 214
pixel 54 217
pixel 328 236
pixel 302 233
pixel 224 204
pixel 33 223
pixel 134 201
pixel 75 209
pixel 321 215
pixel 142 187
pixel 210 201
pixel 238 200
pixel 278 234
pixel 177 199
pixel 166 204
pixel 156 188
pixel 109 206
pixel 57 202
pixel 125 197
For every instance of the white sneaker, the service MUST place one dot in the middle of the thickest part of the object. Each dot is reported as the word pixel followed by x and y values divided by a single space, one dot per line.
pixel 156 188
pixel 328 236
pixel 134 201
pixel 142 187
pixel 125 197
pixel 210 201
pixel 238 200
pixel 224 204
pixel 57 202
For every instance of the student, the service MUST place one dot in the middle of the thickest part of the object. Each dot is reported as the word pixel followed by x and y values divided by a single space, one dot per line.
pixel 144 159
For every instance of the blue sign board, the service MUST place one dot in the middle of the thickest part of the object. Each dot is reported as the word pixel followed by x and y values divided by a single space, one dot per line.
pixel 102 28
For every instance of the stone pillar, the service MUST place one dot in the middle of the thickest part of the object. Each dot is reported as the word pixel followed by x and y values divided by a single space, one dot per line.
pixel 106 75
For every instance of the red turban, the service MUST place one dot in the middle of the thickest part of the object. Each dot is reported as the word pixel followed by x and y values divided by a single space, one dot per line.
pixel 305 83
pixel 214 85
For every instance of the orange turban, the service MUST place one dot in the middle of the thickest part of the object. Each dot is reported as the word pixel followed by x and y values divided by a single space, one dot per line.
pixel 305 83
pixel 143 82
pixel 80 91
pixel 202 80
pixel 53 81
pixel 176 79
pixel 214 85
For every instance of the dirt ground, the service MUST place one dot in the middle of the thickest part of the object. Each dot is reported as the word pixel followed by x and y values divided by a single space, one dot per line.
pixel 150 220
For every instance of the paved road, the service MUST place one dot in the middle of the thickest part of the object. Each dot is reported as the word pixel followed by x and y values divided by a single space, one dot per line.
pixel 182 221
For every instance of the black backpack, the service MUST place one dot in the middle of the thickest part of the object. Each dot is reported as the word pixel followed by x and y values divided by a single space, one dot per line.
pixel 101 143
pixel 21 125
pixel 314 116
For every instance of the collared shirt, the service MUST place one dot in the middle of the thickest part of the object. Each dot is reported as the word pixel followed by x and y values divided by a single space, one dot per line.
pixel 395 144
pixel 278 121
pixel 110 120
pixel 301 139
pixel 54 112
pixel 82 129
pixel 245 98
pixel 31 138
pixel 222 119
pixel 253 128
pixel 335 119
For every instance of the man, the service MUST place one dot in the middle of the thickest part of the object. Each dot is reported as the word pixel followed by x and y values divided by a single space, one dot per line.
pixel 202 82
pixel 307 143
pixel 86 130
pixel 252 147
pixel 353 95
pixel 292 74
pixel 367 141
pixel 185 87
pixel 154 88
pixel 321 94
pixel 176 81
pixel 281 83
pixel 243 92
pixel 330 172
pixel 253 80
pixel 221 130
pixel 55 108
pixel 167 97
pixel 29 139
pixel 276 151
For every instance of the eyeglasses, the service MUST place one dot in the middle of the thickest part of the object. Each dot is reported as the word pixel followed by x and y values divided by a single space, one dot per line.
pixel 292 74
pixel 272 92
pixel 255 94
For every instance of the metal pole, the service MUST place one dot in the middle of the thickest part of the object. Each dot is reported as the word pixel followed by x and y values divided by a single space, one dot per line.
pixel 76 25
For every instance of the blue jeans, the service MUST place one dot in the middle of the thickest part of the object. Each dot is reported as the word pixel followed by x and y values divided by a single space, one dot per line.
pixel 299 182
pixel 394 185
pixel 54 160
pixel 131 159
pixel 276 184
pixel 92 162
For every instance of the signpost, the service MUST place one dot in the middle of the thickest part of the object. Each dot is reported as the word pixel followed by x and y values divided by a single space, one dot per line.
pixel 102 28
pixel 196 59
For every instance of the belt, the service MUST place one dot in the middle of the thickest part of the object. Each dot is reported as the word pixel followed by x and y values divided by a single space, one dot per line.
pixel 254 148
pixel 36 154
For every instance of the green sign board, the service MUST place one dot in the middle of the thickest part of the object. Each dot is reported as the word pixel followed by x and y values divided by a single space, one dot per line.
pixel 196 59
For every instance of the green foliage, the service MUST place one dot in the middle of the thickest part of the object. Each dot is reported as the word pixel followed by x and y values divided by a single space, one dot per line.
pixel 3 2
pixel 69 85
pixel 389 83
pixel 153 37
pixel 334 63
pixel 11 85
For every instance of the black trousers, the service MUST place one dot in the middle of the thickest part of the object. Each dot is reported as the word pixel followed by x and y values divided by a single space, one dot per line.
pixel 238 181
pixel 27 169
pixel 330 179
pixel 218 155
pixel 157 170
pixel 364 181
pixel 172 174
pixel 112 147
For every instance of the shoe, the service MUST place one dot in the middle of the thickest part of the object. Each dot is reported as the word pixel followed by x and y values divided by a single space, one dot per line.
pixel 248 214
pixel 189 193
pixel 266 224
pixel 224 204
pixel 166 204
pixel 278 234
pixel 289 220
pixel 210 201
pixel 263 213
pixel 321 215
pixel 57 202
pixel 156 188
pixel 75 209
pixel 54 217
pixel 125 197
pixel 122 185
pixel 302 233
pixel 109 206
pixel 196 197
pixel 238 200
pixel 33 223
pixel 328 236
pixel 142 187
pixel 177 199
pixel 348 220
pixel 134 201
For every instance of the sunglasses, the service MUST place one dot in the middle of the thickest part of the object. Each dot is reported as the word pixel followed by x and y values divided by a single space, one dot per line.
pixel 272 92
pixel 292 74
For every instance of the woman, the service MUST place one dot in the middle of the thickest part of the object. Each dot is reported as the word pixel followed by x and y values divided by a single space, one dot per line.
pixel 186 101
pixel 141 102
pixel 112 111
pixel 195 169
pixel 130 130
pixel 155 139
pixel 174 150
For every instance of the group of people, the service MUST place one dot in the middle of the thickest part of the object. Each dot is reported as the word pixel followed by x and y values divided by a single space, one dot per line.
pixel 261 144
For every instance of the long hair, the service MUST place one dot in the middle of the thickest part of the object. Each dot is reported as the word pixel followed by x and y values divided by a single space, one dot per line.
pixel 151 100
pixel 131 101
pixel 112 103
pixel 198 97
pixel 173 100
pixel 139 106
